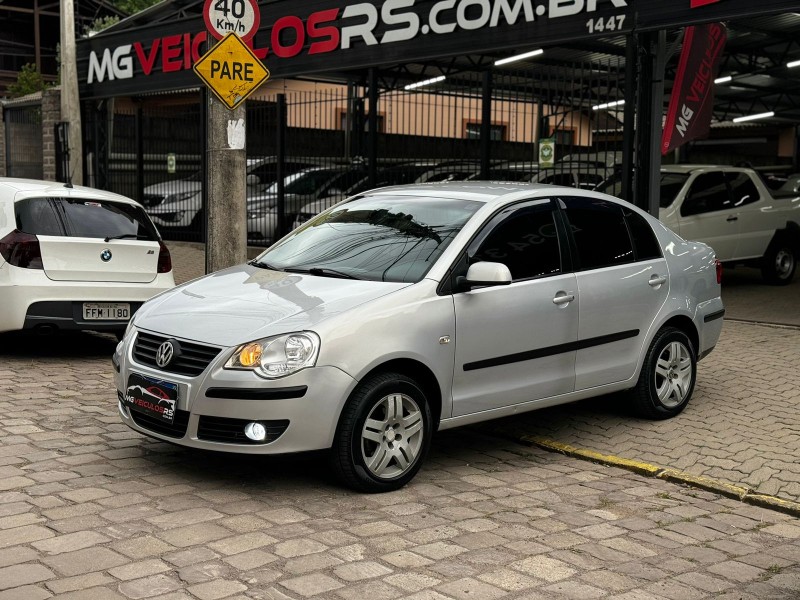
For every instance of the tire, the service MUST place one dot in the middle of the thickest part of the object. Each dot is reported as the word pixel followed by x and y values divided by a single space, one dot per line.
pixel 780 261
pixel 671 357
pixel 364 455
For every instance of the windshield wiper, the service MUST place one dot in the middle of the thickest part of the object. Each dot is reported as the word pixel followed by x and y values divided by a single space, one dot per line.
pixel 322 272
pixel 263 265
pixel 123 236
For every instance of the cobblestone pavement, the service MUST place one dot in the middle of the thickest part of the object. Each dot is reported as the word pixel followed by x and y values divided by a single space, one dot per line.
pixel 746 298
pixel 742 424
pixel 91 510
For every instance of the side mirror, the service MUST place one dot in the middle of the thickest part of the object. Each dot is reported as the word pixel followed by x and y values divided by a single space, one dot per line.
pixel 252 179
pixel 485 274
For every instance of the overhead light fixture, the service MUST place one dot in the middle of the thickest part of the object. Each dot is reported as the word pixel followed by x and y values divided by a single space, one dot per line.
pixel 794 63
pixel 724 79
pixel 765 115
pixel 430 81
pixel 523 56
pixel 608 105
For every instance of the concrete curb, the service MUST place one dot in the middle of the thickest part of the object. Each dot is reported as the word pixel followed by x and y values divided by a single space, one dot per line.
pixel 708 484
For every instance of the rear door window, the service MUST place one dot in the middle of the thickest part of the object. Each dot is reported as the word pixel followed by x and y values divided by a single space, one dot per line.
pixel 743 190
pixel 600 233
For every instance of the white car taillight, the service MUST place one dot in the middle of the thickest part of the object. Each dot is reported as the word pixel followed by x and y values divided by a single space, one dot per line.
pixel 21 250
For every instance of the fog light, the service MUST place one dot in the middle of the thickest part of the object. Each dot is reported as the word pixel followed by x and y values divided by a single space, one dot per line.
pixel 255 431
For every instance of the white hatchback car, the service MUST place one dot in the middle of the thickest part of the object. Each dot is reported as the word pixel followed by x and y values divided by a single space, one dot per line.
pixel 75 258
pixel 409 309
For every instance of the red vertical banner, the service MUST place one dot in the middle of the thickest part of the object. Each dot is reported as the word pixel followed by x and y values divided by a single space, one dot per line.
pixel 692 99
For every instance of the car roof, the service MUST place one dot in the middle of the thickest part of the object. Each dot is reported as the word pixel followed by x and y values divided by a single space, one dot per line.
pixel 480 191
pixel 693 168
pixel 17 189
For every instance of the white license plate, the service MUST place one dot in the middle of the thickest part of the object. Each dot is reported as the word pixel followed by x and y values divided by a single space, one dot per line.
pixel 106 311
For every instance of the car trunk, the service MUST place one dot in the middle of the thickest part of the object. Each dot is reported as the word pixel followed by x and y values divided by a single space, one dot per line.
pixel 93 259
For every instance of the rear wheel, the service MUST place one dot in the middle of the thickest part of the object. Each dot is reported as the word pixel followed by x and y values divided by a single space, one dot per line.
pixel 780 261
pixel 666 381
pixel 384 434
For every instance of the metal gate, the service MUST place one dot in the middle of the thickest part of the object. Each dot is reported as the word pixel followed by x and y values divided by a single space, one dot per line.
pixel 23 124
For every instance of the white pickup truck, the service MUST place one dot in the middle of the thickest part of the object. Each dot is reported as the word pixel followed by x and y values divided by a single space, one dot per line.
pixel 731 210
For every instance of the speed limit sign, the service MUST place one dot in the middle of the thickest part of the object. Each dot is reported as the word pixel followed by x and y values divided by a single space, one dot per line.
pixel 232 16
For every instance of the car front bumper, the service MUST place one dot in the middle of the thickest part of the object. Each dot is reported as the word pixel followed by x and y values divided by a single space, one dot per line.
pixel 300 411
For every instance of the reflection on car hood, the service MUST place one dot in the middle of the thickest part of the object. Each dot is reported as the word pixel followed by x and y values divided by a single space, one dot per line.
pixel 245 303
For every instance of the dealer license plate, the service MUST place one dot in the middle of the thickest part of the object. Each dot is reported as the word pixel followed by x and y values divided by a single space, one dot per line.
pixel 106 311
pixel 151 396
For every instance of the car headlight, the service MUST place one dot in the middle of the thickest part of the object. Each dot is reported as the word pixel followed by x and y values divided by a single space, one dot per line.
pixel 258 213
pixel 277 356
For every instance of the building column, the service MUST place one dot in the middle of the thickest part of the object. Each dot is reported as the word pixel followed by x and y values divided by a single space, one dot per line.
pixel 51 114
pixel 2 143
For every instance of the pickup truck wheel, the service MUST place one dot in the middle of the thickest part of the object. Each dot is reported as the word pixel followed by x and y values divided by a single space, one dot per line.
pixel 779 262
pixel 384 434
pixel 666 381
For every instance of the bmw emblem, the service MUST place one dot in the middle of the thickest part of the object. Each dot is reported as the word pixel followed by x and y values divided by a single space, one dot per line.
pixel 105 255
pixel 164 354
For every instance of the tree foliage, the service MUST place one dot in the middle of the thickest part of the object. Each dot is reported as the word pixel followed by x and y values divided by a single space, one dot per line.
pixel 130 7
pixel 100 23
pixel 29 80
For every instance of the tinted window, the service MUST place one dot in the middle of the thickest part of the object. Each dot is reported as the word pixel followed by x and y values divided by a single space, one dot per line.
pixel 525 241
pixel 645 242
pixel 600 234
pixel 671 185
pixel 564 179
pixel 37 216
pixel 92 218
pixel 381 238
pixel 83 218
pixel 588 181
pixel 708 193
pixel 743 190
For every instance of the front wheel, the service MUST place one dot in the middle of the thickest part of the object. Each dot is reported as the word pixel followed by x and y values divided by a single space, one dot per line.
pixel 779 262
pixel 667 379
pixel 384 434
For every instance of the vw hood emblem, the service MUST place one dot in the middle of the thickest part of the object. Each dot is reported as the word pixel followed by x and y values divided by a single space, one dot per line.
pixel 105 255
pixel 164 354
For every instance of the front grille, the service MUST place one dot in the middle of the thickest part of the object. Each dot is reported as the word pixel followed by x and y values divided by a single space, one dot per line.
pixel 190 359
pixel 231 431
pixel 176 430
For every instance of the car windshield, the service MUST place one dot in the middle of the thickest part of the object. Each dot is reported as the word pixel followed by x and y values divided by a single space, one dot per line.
pixel 671 184
pixel 304 182
pixel 379 238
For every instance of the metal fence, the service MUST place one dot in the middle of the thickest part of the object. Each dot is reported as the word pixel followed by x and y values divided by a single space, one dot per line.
pixel 23 125
pixel 336 141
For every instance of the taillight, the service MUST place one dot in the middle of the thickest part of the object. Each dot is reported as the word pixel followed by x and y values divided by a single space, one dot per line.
pixel 21 250
pixel 164 259
pixel 719 271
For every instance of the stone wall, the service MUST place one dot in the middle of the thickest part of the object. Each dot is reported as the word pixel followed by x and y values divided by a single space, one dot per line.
pixel 51 114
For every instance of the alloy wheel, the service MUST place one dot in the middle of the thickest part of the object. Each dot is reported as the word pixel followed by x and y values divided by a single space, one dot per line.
pixel 391 438
pixel 673 374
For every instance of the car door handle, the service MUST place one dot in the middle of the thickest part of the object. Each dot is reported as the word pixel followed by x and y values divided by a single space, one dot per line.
pixel 563 298
pixel 657 280
pixel 732 218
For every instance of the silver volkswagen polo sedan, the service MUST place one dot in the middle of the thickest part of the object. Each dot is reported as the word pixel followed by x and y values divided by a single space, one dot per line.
pixel 412 309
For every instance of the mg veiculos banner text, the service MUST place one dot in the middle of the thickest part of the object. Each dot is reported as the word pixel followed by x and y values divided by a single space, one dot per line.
pixel 692 98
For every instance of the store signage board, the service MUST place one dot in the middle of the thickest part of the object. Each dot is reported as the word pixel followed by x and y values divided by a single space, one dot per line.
pixel 231 71
pixel 241 17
